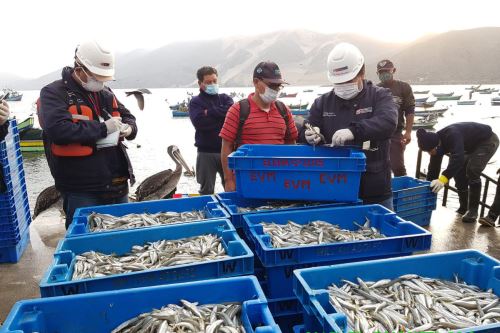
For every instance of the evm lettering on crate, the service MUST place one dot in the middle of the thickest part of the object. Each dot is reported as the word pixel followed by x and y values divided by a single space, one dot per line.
pixel 262 177
pixel 335 178
pixel 302 184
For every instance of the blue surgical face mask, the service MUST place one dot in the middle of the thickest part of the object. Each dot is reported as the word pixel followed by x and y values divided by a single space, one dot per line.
pixel 212 89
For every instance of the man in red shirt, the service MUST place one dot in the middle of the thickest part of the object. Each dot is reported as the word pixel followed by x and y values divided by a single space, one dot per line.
pixel 268 121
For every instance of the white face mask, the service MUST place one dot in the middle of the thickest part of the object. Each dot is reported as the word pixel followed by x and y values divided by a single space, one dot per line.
pixel 92 84
pixel 269 95
pixel 346 91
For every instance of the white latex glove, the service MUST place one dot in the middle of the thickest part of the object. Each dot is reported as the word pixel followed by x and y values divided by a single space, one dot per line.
pixel 312 137
pixel 436 185
pixel 341 136
pixel 125 130
pixel 4 112
pixel 113 124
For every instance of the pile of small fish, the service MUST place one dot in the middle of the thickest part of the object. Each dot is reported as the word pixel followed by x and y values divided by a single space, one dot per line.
pixel 190 317
pixel 103 222
pixel 411 303
pixel 276 205
pixel 317 232
pixel 158 254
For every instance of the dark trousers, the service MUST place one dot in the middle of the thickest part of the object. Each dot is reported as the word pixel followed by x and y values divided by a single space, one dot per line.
pixel 475 163
pixel 208 165
pixel 397 155
pixel 75 200
pixel 495 207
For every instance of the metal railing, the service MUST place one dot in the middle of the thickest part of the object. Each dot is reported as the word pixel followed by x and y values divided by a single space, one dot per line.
pixel 486 181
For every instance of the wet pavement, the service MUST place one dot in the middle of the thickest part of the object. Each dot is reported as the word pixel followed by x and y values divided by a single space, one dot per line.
pixel 20 281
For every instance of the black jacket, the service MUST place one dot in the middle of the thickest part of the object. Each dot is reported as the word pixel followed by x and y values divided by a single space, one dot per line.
pixel 207 113
pixel 371 115
pixel 92 173
pixel 4 130
pixel 457 140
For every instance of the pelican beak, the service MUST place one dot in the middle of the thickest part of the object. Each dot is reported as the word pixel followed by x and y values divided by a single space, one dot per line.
pixel 181 160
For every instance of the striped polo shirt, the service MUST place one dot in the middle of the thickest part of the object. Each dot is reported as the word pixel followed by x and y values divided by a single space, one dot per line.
pixel 261 127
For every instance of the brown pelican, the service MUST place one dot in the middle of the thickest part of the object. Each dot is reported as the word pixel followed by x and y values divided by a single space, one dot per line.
pixel 163 184
pixel 138 95
pixel 46 199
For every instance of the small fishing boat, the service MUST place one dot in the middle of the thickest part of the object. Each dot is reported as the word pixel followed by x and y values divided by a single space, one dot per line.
pixel 430 112
pixel 298 106
pixel 421 92
pixel 299 112
pixel 178 114
pixel 421 99
pixel 286 95
pixel 495 101
pixel 467 102
pixel 14 96
pixel 443 94
pixel 449 98
pixel 26 124
pixel 31 138
pixel 425 122
pixel 308 90
pixel 425 104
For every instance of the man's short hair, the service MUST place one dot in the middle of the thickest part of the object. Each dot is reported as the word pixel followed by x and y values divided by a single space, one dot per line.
pixel 205 70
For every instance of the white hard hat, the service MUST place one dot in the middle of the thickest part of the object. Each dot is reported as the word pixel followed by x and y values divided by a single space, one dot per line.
pixel 98 59
pixel 344 63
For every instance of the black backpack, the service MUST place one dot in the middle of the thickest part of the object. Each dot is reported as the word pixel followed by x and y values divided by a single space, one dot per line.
pixel 245 111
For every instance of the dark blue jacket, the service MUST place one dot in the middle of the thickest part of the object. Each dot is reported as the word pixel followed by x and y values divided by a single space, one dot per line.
pixel 372 115
pixel 457 140
pixel 92 173
pixel 207 113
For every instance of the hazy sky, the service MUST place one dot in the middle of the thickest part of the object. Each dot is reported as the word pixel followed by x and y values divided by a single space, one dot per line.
pixel 40 36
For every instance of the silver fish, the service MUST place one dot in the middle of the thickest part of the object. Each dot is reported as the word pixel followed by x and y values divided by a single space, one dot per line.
pixel 411 303
pixel 317 232
pixel 104 222
pixel 271 205
pixel 190 317
pixel 162 253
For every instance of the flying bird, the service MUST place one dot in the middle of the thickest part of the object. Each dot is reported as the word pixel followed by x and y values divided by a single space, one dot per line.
pixel 138 94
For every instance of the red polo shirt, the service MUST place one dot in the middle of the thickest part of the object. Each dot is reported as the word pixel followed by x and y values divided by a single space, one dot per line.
pixel 261 127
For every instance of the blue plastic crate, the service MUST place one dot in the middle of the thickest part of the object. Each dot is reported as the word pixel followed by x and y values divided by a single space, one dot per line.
pixel 403 237
pixel 207 203
pixel 284 306
pixel 419 210
pixel 297 172
pixel 277 281
pixel 57 280
pixel 287 322
pixel 231 201
pixel 104 311
pixel 10 202
pixel 14 253
pixel 429 200
pixel 407 189
pixel 310 285
pixel 15 223
pixel 421 219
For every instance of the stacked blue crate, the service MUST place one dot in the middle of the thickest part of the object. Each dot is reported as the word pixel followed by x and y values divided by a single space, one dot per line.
pixel 413 199
pixel 15 216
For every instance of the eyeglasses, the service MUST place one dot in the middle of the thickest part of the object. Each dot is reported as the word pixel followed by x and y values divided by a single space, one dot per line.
pixel 273 86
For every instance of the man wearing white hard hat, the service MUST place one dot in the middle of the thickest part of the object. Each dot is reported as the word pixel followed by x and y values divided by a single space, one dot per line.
pixel 83 129
pixel 354 112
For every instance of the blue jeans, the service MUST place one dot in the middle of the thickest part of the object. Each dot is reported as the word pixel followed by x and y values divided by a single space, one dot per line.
pixel 387 203
pixel 74 200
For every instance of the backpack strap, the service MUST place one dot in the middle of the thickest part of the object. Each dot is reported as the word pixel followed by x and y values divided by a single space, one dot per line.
pixel 244 112
pixel 284 113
